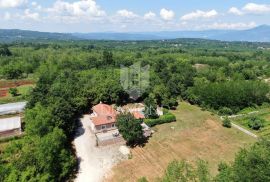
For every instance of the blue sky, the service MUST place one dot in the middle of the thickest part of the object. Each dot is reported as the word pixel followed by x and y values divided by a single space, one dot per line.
pixel 132 15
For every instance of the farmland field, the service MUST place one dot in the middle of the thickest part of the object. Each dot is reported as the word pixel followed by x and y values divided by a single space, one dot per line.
pixel 24 87
pixel 14 83
pixel 195 134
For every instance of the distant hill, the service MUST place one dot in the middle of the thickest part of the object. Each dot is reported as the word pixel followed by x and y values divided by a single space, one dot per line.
pixel 11 35
pixel 117 36
pixel 151 35
pixel 258 34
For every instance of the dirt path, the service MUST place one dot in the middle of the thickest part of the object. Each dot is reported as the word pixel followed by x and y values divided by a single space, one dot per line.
pixel 94 162
pixel 244 130
pixel 239 127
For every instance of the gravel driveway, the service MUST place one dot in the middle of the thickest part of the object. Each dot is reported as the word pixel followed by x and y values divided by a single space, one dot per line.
pixel 94 162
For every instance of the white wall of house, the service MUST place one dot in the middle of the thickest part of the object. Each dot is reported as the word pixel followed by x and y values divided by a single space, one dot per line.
pixel 101 128
pixel 159 111
pixel 93 128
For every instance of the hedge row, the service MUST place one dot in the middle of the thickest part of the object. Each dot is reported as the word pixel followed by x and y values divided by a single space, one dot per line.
pixel 166 118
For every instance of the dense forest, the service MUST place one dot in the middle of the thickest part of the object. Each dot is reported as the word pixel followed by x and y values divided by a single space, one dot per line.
pixel 71 76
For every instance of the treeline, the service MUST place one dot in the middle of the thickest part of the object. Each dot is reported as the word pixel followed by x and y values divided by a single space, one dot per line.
pixel 235 95
pixel 45 153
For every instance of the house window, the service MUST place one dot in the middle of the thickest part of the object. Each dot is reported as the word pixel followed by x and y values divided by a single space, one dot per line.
pixel 103 127
pixel 113 125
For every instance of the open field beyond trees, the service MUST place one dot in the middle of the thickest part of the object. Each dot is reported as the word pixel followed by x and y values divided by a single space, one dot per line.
pixel 196 134
pixel 24 88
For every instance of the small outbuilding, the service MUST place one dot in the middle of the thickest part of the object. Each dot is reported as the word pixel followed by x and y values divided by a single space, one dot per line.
pixel 10 126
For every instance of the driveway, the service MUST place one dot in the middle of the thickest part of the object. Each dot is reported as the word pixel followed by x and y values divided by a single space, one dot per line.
pixel 94 162
pixel 239 127
pixel 12 108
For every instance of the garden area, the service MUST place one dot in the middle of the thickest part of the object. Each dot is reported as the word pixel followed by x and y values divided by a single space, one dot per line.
pixel 15 90
pixel 256 120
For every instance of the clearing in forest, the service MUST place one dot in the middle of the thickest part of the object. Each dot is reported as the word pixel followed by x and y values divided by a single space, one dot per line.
pixel 195 134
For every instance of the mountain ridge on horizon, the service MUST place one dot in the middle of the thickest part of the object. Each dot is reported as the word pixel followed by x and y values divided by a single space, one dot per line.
pixel 258 34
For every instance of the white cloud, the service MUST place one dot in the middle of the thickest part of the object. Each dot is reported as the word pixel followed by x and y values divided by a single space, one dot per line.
pixel 7 16
pixel 126 14
pixel 28 15
pixel 12 3
pixel 231 26
pixel 150 15
pixel 200 14
pixel 81 8
pixel 36 5
pixel 235 11
pixel 123 26
pixel 257 8
pixel 166 14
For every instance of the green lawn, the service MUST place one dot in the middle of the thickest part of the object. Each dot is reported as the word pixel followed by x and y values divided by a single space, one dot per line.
pixel 23 91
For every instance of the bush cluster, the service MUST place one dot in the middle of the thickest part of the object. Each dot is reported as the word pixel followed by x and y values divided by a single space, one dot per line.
pixel 227 123
pixel 255 123
pixel 166 118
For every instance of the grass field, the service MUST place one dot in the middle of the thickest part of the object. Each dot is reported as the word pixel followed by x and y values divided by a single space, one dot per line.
pixel 3 146
pixel 195 134
pixel 23 91
pixel 263 113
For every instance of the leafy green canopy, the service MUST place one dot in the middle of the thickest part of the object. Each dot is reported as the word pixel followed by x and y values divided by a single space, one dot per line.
pixel 232 94
pixel 130 128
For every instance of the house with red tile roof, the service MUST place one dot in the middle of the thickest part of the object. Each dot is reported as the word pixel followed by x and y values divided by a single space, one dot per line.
pixel 103 118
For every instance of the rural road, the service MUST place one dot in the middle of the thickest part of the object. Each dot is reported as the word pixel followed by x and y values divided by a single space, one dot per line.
pixel 94 162
pixel 12 108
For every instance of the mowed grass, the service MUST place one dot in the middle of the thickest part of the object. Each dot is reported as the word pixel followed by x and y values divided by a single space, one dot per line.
pixel 196 134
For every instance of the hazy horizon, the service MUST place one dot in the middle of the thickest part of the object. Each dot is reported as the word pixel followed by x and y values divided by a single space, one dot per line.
pixel 122 16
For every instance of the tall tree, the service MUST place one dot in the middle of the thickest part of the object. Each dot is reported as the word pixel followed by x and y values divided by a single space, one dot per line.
pixel 150 110
pixel 130 128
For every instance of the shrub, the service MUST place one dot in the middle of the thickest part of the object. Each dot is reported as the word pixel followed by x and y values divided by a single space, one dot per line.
pixel 166 118
pixel 225 111
pixel 143 179
pixel 255 123
pixel 4 51
pixel 227 123
pixel 170 103
pixel 13 91
pixel 165 111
